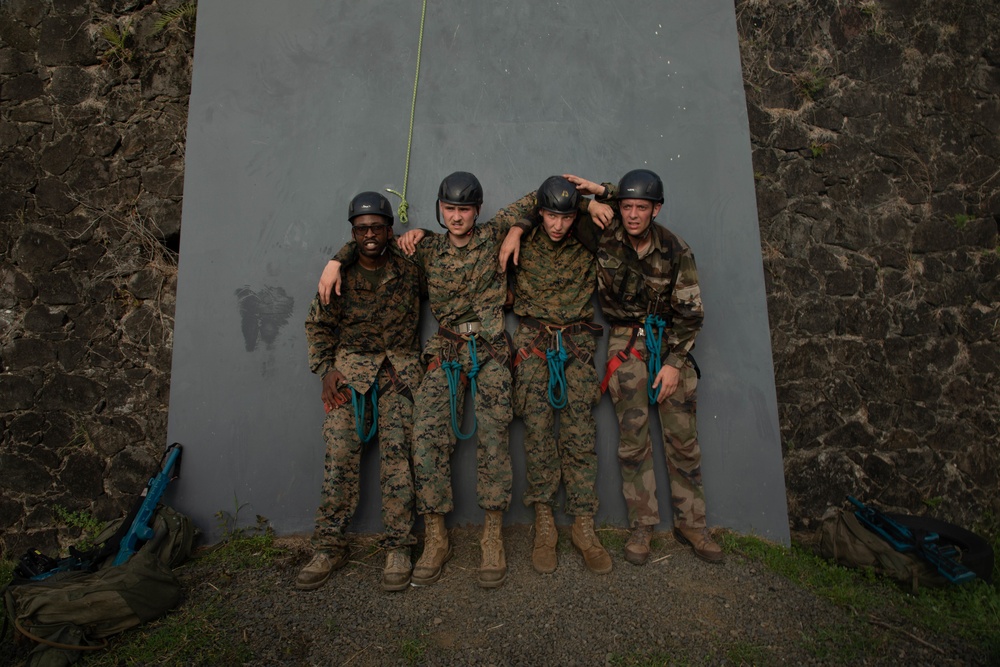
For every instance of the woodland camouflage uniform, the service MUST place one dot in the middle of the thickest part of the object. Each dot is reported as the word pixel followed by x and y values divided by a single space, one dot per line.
pixel 553 285
pixel 664 281
pixel 370 335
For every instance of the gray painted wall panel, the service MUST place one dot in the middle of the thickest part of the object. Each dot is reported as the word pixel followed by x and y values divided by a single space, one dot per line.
pixel 295 108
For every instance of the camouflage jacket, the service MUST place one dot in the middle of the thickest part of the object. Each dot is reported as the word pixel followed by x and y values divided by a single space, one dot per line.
pixel 664 281
pixel 554 282
pixel 364 326
pixel 463 280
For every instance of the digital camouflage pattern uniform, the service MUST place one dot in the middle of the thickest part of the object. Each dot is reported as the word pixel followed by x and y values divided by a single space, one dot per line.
pixel 464 285
pixel 370 335
pixel 664 281
pixel 553 285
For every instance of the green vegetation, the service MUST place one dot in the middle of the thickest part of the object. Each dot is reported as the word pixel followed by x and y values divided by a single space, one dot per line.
pixel 971 611
pixel 119 41
pixel 181 16
pixel 412 650
pixel 90 526
pixel 198 631
pixel 809 83
pixel 818 150
pixel 961 220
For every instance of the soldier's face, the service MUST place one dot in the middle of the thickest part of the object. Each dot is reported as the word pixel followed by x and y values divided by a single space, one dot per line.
pixel 638 214
pixel 458 218
pixel 557 225
pixel 372 233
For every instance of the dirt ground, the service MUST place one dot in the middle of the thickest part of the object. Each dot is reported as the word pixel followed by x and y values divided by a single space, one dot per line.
pixel 674 610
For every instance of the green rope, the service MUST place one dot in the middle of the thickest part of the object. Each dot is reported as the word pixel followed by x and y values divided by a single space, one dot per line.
pixel 404 205
pixel 359 414
pixel 556 359
pixel 654 326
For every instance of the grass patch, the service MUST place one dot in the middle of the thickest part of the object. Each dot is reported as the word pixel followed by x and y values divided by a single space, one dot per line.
pixel 841 644
pixel 970 611
pixel 412 651
pixel 746 653
pixel 199 632
pixel 612 538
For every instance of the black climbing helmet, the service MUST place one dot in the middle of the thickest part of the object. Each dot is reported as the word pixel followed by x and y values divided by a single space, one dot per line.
pixel 370 203
pixel 641 184
pixel 460 188
pixel 558 195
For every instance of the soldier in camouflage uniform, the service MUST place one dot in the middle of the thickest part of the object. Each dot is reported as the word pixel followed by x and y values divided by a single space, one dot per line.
pixel 466 294
pixel 648 286
pixel 366 348
pixel 554 374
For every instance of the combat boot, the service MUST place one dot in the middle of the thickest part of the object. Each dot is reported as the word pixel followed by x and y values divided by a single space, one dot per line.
pixel 320 567
pixel 543 556
pixel 701 543
pixel 437 551
pixel 493 570
pixel 595 556
pixel 396 575
pixel 637 547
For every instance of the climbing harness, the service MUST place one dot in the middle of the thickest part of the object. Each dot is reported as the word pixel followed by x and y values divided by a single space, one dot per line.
pixel 453 371
pixel 654 365
pixel 557 373
pixel 622 355
pixel 653 327
pixel 403 204
pixel 557 356
pixel 358 401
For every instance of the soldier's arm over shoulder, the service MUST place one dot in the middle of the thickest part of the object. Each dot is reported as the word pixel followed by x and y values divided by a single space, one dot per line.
pixel 515 214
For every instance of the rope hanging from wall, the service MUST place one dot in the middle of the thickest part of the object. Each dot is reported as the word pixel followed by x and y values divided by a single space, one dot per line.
pixel 403 204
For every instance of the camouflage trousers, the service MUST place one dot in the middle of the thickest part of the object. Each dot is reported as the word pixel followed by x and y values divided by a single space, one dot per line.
pixel 680 438
pixel 434 440
pixel 572 458
pixel 341 483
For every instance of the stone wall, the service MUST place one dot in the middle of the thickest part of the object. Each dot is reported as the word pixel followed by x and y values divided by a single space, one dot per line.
pixel 874 128
pixel 93 111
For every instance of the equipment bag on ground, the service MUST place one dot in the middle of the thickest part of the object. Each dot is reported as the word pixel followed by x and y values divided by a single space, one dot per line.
pixel 845 540
pixel 71 612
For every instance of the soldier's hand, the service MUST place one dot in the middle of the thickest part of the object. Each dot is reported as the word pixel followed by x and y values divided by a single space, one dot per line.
pixel 585 186
pixel 335 391
pixel 510 248
pixel 600 213
pixel 666 381
pixel 408 241
pixel 329 281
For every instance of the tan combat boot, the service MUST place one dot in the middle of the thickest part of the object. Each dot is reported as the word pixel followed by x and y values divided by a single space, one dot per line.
pixel 396 575
pixel 493 570
pixel 320 567
pixel 543 556
pixel 701 543
pixel 595 556
pixel 436 553
pixel 637 547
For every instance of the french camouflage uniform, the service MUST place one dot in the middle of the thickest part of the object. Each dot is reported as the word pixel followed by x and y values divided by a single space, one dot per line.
pixel 553 285
pixel 662 281
pixel 466 293
pixel 370 335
